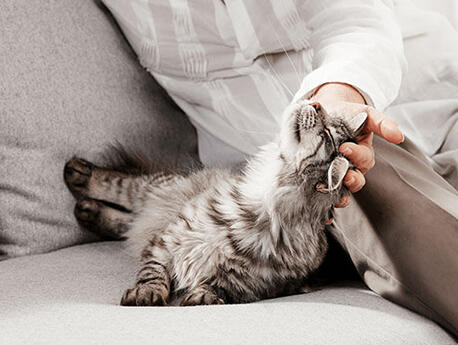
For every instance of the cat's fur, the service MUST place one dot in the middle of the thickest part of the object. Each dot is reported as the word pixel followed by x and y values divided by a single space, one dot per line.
pixel 222 237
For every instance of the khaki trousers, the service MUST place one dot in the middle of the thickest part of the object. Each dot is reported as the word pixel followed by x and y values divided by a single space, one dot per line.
pixel 401 232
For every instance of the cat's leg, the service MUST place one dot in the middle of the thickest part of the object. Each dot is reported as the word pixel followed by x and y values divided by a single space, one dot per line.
pixel 152 287
pixel 127 191
pixel 201 295
pixel 102 219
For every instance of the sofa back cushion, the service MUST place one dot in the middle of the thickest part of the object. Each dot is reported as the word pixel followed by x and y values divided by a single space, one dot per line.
pixel 69 85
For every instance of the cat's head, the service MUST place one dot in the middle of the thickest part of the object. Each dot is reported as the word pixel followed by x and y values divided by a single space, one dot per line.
pixel 310 140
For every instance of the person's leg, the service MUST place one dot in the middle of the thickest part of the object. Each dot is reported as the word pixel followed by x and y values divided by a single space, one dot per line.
pixel 401 232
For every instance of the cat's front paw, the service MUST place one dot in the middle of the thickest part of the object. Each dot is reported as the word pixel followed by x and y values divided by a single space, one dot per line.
pixel 87 212
pixel 201 297
pixel 77 173
pixel 145 295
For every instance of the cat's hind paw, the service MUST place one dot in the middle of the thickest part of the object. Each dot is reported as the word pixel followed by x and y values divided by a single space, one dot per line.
pixel 77 173
pixel 87 212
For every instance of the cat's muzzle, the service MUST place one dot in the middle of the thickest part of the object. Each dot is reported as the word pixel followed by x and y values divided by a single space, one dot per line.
pixel 307 117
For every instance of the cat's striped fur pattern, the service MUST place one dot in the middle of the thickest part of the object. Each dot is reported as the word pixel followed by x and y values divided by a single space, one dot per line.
pixel 220 237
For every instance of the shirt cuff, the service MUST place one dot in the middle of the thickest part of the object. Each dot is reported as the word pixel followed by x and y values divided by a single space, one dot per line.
pixel 373 93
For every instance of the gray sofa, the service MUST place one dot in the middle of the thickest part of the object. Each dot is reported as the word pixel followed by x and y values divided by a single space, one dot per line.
pixel 69 84
pixel 71 296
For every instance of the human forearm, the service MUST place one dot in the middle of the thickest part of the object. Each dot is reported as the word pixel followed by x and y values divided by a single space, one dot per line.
pixel 338 91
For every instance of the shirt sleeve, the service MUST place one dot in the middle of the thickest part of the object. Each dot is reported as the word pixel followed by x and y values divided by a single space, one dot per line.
pixel 357 42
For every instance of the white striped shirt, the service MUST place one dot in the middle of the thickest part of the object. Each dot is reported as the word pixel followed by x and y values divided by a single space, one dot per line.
pixel 233 67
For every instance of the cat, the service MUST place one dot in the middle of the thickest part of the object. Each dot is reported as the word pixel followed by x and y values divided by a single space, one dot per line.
pixel 215 236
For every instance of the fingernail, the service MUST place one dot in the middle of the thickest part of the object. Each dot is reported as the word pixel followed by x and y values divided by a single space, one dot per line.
pixel 389 125
pixel 350 180
pixel 344 202
pixel 346 150
pixel 391 128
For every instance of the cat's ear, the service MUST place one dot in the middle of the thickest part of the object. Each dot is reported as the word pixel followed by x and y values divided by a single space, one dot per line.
pixel 356 124
pixel 336 172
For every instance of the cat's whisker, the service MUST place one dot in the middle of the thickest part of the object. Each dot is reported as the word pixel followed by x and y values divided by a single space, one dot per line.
pixel 272 69
pixel 250 131
pixel 288 56
pixel 229 122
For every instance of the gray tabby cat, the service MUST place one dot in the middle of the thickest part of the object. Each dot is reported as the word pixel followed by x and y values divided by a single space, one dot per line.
pixel 220 237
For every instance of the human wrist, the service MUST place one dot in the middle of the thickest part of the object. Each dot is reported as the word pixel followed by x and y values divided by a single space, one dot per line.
pixel 331 92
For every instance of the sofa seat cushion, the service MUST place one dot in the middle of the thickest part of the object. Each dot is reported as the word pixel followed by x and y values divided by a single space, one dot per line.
pixel 71 296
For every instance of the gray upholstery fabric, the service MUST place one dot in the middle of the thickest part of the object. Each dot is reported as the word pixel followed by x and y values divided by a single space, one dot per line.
pixel 69 84
pixel 71 297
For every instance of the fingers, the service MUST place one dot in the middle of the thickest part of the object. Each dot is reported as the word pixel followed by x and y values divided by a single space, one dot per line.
pixel 329 221
pixel 377 122
pixel 383 125
pixel 361 154
pixel 344 202
pixel 354 180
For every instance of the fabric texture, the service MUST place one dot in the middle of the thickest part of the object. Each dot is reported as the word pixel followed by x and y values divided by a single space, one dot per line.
pixel 409 217
pixel 69 85
pixel 427 106
pixel 407 212
pixel 224 62
pixel 71 296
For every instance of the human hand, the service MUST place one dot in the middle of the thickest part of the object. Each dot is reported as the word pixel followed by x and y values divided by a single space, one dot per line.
pixel 344 100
